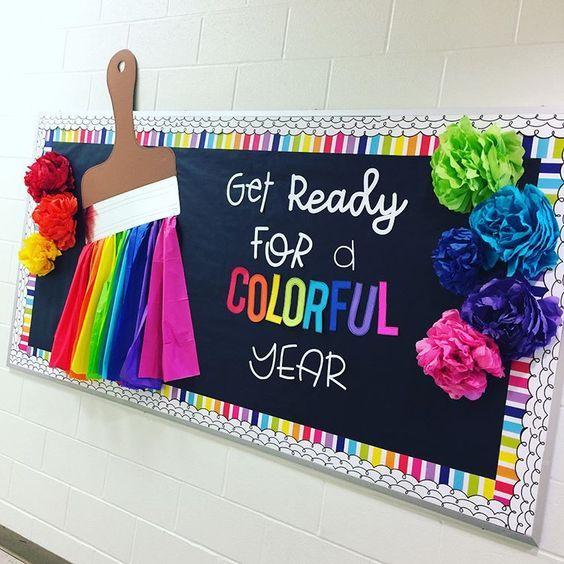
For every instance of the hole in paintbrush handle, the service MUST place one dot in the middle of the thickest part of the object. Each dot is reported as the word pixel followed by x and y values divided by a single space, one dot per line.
pixel 121 66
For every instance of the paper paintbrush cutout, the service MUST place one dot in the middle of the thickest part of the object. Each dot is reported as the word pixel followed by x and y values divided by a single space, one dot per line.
pixel 129 165
pixel 127 317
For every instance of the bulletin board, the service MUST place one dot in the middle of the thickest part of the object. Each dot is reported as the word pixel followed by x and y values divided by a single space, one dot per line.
pixel 356 405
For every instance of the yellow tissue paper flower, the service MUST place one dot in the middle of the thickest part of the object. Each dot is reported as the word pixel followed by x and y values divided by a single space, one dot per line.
pixel 37 254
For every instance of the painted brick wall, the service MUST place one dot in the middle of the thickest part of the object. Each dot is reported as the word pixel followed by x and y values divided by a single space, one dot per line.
pixel 98 482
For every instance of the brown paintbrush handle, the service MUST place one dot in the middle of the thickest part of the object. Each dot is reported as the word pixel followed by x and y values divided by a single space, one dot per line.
pixel 121 77
pixel 129 165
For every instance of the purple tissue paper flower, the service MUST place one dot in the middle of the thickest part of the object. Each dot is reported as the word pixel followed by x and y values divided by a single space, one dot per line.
pixel 507 311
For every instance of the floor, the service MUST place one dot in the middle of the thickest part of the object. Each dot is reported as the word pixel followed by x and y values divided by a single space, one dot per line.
pixel 6 558
pixel 26 550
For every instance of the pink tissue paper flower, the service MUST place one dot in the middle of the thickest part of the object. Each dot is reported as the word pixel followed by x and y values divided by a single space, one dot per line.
pixel 458 357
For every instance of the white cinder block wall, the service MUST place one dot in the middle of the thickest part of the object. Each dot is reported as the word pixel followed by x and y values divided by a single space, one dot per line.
pixel 98 482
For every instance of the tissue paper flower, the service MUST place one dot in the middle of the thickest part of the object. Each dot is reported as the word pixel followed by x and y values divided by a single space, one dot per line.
pixel 54 218
pixel 457 260
pixel 37 254
pixel 458 357
pixel 507 311
pixel 469 166
pixel 519 228
pixel 49 174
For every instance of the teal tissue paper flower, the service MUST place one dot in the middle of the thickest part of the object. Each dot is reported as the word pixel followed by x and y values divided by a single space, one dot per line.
pixel 518 228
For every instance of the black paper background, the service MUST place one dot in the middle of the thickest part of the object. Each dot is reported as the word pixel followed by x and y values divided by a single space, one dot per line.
pixel 389 402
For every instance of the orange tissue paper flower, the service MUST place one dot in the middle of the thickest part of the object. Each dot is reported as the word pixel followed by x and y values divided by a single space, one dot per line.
pixel 54 218
pixel 38 253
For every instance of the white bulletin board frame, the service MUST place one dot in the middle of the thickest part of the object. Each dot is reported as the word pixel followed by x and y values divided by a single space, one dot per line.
pixel 510 504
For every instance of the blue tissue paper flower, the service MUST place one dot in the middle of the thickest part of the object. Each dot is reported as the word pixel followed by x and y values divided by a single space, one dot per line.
pixel 457 260
pixel 518 228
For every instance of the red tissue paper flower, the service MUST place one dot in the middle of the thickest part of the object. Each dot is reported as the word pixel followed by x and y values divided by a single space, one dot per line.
pixel 49 174
pixel 54 218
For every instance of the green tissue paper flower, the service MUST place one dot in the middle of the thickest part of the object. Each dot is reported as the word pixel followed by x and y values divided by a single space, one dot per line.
pixel 469 165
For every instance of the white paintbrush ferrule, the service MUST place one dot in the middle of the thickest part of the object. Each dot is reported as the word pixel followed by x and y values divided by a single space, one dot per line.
pixel 133 208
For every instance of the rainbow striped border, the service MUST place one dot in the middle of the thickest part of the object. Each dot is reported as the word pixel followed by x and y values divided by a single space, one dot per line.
pixel 502 488
pixel 417 145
